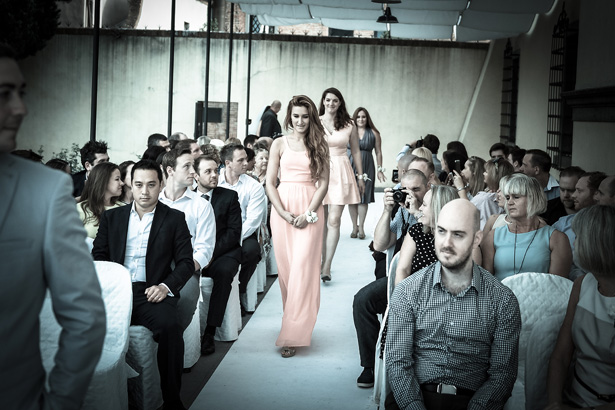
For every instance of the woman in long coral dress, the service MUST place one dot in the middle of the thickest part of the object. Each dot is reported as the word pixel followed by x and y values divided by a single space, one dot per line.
pixel 302 160
pixel 344 187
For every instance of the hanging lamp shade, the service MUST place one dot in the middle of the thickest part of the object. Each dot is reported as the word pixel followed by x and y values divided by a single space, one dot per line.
pixel 387 17
pixel 387 1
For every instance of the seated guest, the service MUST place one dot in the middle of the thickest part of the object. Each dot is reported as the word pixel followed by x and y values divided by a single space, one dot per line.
pixel 568 179
pixel 499 150
pixel 583 197
pixel 588 330
pixel 125 170
pixel 253 210
pixel 450 161
pixel 499 219
pixel 486 201
pixel 453 329
pixel 371 300
pixel 101 192
pixel 191 145
pixel 260 163
pixel 605 195
pixel 92 154
pixel 153 242
pixel 60 164
pixel 457 146
pixel 537 164
pixel 227 252
pixel 470 180
pixel 158 140
pixel 178 168
pixel 427 168
pixel 516 158
pixel 527 244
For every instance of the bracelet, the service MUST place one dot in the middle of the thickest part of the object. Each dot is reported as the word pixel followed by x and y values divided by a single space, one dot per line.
pixel 381 169
pixel 463 187
pixel 364 177
pixel 311 217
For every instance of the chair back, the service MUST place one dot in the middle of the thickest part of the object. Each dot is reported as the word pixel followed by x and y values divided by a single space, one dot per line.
pixel 540 295
pixel 116 288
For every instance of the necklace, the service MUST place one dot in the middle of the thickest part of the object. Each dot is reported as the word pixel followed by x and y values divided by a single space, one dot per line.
pixel 525 254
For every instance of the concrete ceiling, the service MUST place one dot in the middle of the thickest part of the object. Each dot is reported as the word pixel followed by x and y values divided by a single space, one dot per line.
pixel 462 20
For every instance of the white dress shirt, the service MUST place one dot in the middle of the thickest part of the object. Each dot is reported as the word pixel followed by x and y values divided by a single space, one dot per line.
pixel 201 223
pixel 136 243
pixel 252 200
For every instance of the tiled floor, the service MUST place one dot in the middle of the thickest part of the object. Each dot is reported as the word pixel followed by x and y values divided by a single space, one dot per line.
pixel 254 376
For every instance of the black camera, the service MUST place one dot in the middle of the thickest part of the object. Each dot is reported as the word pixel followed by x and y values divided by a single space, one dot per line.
pixel 399 195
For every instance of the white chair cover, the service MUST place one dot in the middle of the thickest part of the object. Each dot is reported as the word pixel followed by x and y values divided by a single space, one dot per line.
pixel 252 293
pixel 261 275
pixel 540 295
pixel 381 381
pixel 144 390
pixel 540 346
pixel 231 325
pixel 107 389
pixel 192 340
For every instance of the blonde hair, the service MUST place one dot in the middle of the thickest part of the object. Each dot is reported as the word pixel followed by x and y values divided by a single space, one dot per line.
pixel 440 196
pixel 497 169
pixel 315 143
pixel 521 184
pixel 423 152
pixel 593 248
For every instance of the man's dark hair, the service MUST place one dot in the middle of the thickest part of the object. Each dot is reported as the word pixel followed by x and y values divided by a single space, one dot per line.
pixel 432 143
pixel 517 155
pixel 539 159
pixel 170 159
pixel 7 51
pixel 250 140
pixel 594 179
pixel 251 154
pixel 572 171
pixel 227 152
pixel 147 165
pixel 498 146
pixel 152 153
pixel 90 149
pixel 184 144
pixel 154 140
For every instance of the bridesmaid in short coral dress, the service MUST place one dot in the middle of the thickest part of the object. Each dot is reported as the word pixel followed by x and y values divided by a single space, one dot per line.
pixel 297 225
pixel 344 186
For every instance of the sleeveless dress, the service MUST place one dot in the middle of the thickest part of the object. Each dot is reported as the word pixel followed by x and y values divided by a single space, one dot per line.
pixel 297 251
pixel 536 259
pixel 593 334
pixel 366 144
pixel 343 188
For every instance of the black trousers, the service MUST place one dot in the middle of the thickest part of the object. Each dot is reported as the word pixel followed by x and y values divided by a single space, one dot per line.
pixel 250 256
pixel 370 301
pixel 222 270
pixel 162 319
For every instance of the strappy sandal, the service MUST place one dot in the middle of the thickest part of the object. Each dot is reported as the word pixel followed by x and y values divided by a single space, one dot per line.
pixel 288 351
pixel 325 278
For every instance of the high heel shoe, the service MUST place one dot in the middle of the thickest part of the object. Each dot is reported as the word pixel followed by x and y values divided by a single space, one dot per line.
pixel 353 234
pixel 288 351
pixel 325 278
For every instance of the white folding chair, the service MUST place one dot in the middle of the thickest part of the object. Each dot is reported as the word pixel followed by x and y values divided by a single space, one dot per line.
pixel 231 325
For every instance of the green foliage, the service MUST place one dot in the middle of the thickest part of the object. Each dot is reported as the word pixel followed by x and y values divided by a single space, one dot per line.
pixel 27 25
pixel 72 156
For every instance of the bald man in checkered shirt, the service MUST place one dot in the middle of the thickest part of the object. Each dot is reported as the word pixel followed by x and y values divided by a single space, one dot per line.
pixel 453 334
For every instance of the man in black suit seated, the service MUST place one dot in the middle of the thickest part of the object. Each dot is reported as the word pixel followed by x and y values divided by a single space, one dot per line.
pixel 147 237
pixel 227 253
pixel 92 154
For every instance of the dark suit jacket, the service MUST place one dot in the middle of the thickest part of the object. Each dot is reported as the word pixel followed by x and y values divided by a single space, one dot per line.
pixel 227 209
pixel 270 124
pixel 169 240
pixel 78 183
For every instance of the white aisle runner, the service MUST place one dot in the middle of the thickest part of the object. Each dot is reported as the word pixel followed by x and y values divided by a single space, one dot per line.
pixel 254 376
